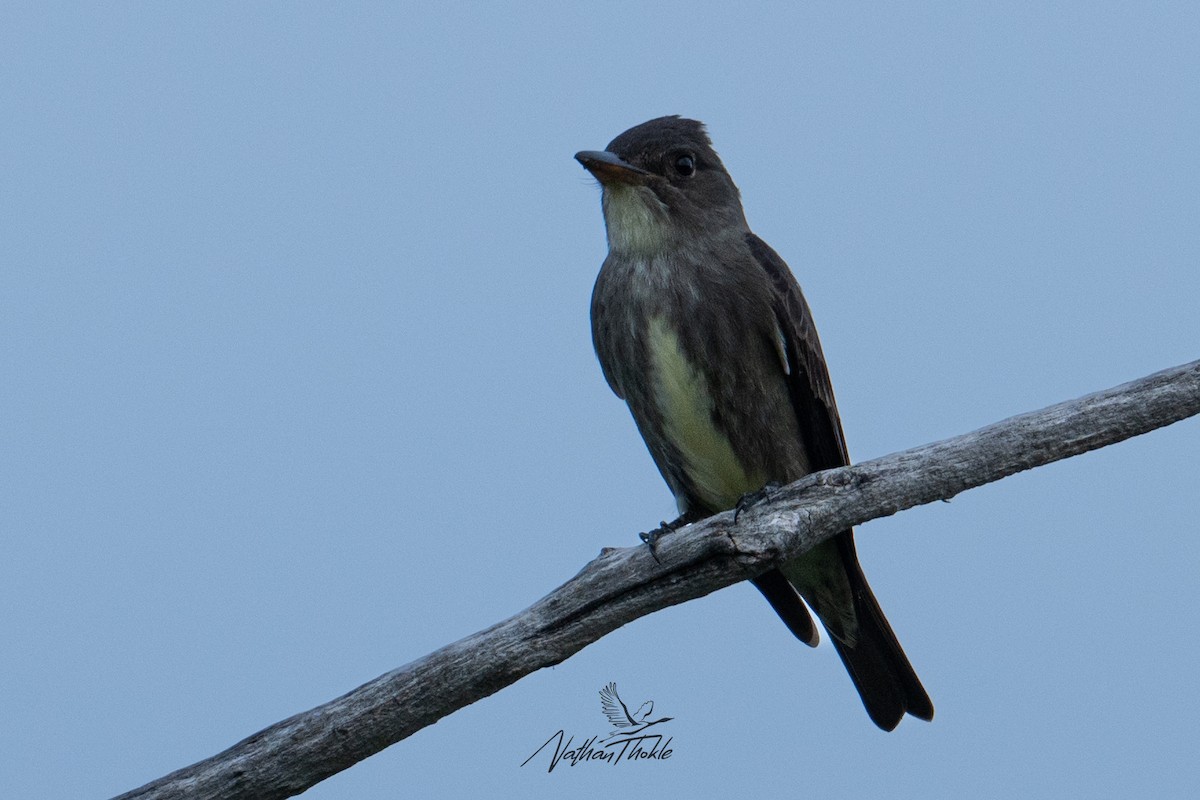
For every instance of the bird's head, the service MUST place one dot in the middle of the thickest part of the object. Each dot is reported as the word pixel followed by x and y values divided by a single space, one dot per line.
pixel 663 185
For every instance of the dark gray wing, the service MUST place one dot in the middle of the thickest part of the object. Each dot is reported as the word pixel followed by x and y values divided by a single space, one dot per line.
pixel 816 413
pixel 885 680
pixel 603 320
pixel 808 379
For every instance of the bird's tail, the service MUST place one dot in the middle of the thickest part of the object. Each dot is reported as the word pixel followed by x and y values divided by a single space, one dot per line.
pixel 788 605
pixel 887 683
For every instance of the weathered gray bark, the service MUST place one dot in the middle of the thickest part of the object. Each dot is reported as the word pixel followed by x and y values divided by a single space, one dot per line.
pixel 623 584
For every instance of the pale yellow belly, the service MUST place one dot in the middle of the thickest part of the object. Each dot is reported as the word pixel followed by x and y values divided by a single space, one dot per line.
pixel 681 394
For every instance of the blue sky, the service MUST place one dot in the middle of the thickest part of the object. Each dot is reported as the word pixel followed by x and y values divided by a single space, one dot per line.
pixel 296 382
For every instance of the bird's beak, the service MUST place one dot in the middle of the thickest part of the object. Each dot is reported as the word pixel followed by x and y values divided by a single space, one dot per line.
pixel 608 169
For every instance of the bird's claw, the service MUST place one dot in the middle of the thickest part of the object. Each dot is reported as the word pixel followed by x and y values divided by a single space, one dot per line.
pixel 751 499
pixel 651 537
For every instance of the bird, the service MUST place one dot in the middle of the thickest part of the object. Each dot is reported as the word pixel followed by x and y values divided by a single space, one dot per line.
pixel 624 723
pixel 701 328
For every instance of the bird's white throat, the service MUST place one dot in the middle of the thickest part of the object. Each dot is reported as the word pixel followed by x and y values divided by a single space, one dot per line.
pixel 636 220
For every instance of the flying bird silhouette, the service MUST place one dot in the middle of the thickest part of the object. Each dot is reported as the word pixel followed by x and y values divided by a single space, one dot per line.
pixel 624 723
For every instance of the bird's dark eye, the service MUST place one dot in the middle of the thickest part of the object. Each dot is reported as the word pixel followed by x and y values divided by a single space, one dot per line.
pixel 685 165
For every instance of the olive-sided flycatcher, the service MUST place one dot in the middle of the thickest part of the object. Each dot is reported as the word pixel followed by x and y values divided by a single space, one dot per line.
pixel 701 328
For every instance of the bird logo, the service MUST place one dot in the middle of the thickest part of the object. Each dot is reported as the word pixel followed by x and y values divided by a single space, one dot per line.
pixel 625 723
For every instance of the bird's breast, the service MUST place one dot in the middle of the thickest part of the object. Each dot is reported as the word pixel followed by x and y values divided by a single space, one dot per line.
pixel 683 399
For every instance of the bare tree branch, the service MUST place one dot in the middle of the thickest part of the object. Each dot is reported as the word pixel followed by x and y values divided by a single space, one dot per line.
pixel 623 584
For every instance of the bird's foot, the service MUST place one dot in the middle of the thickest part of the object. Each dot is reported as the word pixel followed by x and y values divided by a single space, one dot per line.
pixel 751 499
pixel 651 537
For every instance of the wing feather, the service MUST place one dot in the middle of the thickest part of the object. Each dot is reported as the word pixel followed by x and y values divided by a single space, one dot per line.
pixel 807 374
